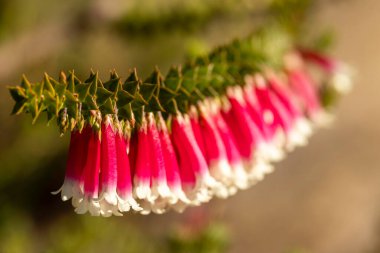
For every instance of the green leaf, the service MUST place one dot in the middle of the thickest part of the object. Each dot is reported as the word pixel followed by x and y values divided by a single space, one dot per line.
pixel 155 105
pixel 138 115
pixel 48 85
pixel 94 85
pixel 102 95
pixel 91 103
pixel 19 107
pixel 112 84
pixel 123 98
pixel 165 94
pixel 17 93
pixel 107 107
pixel 154 78
pixel 50 103
pixel 147 90
pixel 33 109
pixel 63 78
pixel 132 83
pixel 189 77
pixel 60 89
pixel 125 112
pixel 139 100
pixel 25 83
pixel 173 79
pixel 71 82
pixel 37 89
pixel 70 96
pixel 171 107
pixel 82 90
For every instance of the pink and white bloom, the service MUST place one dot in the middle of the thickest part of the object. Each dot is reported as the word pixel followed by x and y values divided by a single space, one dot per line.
pixel 76 161
pixel 124 179
pixel 108 162
pixel 274 117
pixel 142 166
pixel 249 140
pixel 340 74
pixel 197 183
pixel 306 89
pixel 178 200
pixel 195 126
pixel 239 175
pixel 90 202
pixel 215 151
pixel 160 192
pixel 246 132
pixel 272 147
pixel 300 128
pixel 282 121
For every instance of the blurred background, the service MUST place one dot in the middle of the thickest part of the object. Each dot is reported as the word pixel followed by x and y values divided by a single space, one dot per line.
pixel 322 198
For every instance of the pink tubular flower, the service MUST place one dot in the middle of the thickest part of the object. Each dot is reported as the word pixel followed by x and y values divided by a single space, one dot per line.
pixel 108 163
pixel 340 74
pixel 73 184
pixel 239 176
pixel 249 140
pixel 91 178
pixel 124 181
pixel 215 151
pixel 194 121
pixel 196 180
pixel 270 150
pixel 254 109
pixel 178 199
pixel 132 147
pixel 283 120
pixel 142 169
pixel 245 131
pixel 300 128
pixel 305 88
pixel 327 63
pixel 274 117
pixel 160 192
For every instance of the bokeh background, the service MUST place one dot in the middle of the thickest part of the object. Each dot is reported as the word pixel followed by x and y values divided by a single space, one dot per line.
pixel 323 198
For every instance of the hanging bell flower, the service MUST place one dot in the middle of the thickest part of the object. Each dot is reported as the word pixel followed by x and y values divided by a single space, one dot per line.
pixel 340 74
pixel 90 201
pixel 124 189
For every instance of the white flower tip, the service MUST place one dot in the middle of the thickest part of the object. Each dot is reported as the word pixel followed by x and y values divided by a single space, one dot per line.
pixel 220 191
pixel 88 205
pixel 159 207
pixel 232 190
pixel 57 191
pixel 142 191
pixel 123 206
pixel 128 203
pixel 179 195
pixel 304 126
pixel 179 207
pixel 163 190
pixel 240 177
pixel 110 197
pixel 221 171
pixel 342 82
pixel 322 118
pixel 270 152
pixel 295 139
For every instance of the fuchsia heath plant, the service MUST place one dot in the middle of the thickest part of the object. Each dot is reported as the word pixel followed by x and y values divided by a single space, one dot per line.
pixel 209 129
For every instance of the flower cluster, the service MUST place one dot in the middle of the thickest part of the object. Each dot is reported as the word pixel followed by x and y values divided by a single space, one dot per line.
pixel 222 144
